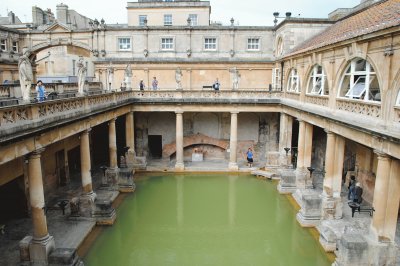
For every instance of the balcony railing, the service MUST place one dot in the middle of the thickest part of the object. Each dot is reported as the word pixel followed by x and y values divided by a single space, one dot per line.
pixel 317 99
pixel 370 109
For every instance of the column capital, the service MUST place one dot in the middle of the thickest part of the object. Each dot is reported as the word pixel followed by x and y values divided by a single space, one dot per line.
pixel 179 112
pixel 381 155
pixel 86 131
pixel 299 120
pixel 328 132
pixel 36 153
pixel 112 120
pixel 234 112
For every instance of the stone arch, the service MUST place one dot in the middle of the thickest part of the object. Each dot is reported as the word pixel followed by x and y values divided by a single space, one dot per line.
pixel 58 42
pixel 207 124
pixel 196 139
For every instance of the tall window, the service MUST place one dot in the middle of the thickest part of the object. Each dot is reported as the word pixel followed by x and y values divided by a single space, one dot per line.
pixel 15 46
pixel 276 78
pixel 142 19
pixel 193 19
pixel 210 44
pixel 3 45
pixel 124 44
pixel 279 47
pixel 398 99
pixel 317 82
pixel 293 82
pixel 167 43
pixel 360 82
pixel 253 44
pixel 168 20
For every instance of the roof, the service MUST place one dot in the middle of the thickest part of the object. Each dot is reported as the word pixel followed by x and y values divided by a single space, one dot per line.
pixel 380 16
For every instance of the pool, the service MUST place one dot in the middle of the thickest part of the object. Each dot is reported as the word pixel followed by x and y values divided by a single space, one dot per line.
pixel 205 219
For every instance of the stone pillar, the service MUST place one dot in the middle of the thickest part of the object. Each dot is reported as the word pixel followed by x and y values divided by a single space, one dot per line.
pixel 285 139
pixel 111 177
pixel 303 179
pixel 386 199
pixel 86 206
pixel 130 132
pixel 334 157
pixel 42 243
pixel 233 142
pixel 179 166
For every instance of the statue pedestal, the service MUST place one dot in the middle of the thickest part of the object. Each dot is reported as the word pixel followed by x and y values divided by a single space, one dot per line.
pixel 125 180
pixel 287 183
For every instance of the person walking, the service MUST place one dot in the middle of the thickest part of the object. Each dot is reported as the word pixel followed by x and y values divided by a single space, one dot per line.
pixel 41 91
pixel 154 84
pixel 250 157
pixel 141 85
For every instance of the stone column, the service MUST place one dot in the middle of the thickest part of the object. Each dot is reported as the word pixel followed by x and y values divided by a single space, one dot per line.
pixel 300 144
pixel 285 139
pixel 42 243
pixel 112 172
pixel 334 157
pixel 386 198
pixel 303 179
pixel 179 166
pixel 233 142
pixel 86 206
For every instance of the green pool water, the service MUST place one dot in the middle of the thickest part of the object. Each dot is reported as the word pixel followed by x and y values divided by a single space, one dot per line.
pixel 205 219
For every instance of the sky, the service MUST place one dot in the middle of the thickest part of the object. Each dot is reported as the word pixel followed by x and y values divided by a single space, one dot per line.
pixel 245 13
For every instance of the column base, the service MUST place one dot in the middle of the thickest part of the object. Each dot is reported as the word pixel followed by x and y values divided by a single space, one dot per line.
pixel 353 250
pixel 111 178
pixel 310 203
pixel 328 240
pixel 179 167
pixel 303 180
pixel 39 250
pixel 104 213
pixel 287 183
pixel 87 204
pixel 331 208
pixel 65 256
pixel 125 180
pixel 233 167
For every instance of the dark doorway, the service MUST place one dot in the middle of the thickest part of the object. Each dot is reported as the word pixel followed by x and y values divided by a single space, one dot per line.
pixel 99 145
pixel 74 162
pixel 13 203
pixel 155 146
pixel 60 165
pixel 295 140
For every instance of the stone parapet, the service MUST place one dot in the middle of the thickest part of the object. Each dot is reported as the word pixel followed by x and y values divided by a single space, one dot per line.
pixel 287 183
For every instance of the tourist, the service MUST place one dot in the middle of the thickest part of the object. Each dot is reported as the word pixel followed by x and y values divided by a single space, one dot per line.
pixel 216 85
pixel 250 157
pixel 352 185
pixel 358 193
pixel 41 91
pixel 154 84
pixel 141 85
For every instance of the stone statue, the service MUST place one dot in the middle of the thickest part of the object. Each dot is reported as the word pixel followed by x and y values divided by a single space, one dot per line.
pixel 110 76
pixel 82 70
pixel 178 78
pixel 128 77
pixel 25 74
pixel 235 78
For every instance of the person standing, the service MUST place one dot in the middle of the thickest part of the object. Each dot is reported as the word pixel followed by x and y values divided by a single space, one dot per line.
pixel 41 91
pixel 141 85
pixel 154 84
pixel 250 157
pixel 216 85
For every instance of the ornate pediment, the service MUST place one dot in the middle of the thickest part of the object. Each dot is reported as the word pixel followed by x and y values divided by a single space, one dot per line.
pixel 57 27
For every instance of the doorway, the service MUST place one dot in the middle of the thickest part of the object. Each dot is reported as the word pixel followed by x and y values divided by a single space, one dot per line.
pixel 155 146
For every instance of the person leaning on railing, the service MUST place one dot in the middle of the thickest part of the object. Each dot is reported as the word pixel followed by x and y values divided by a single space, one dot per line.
pixel 41 91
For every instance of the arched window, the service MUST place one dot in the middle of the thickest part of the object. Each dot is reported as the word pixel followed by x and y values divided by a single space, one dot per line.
pixel 293 81
pixel 317 82
pixel 360 82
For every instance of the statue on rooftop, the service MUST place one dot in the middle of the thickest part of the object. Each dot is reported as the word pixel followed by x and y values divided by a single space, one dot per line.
pixel 110 76
pixel 25 74
pixel 178 78
pixel 235 77
pixel 128 77
pixel 82 70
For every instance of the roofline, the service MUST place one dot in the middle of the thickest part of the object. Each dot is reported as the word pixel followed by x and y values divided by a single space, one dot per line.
pixel 304 20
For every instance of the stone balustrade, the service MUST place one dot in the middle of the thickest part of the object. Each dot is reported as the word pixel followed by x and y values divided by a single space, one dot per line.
pixel 317 99
pixel 371 109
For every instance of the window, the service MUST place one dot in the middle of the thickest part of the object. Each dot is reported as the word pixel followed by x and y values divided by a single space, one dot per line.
pixel 142 19
pixel 317 82
pixel 276 78
pixel 279 47
pixel 210 44
pixel 15 46
pixel 398 99
pixel 293 82
pixel 253 44
pixel 193 19
pixel 360 82
pixel 124 44
pixel 3 45
pixel 167 44
pixel 168 20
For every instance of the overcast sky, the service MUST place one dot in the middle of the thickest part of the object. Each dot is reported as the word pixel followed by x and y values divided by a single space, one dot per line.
pixel 248 12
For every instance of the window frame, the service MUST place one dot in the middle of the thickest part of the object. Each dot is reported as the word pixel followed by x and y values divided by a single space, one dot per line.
pixel 194 22
pixel 15 46
pixel 119 44
pixel 293 76
pixel 360 81
pixel 313 78
pixel 141 20
pixel 3 42
pixel 205 44
pixel 252 44
pixel 167 22
pixel 165 44
pixel 276 78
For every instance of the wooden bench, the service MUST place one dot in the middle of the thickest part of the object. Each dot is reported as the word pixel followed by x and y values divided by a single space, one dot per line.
pixel 360 208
